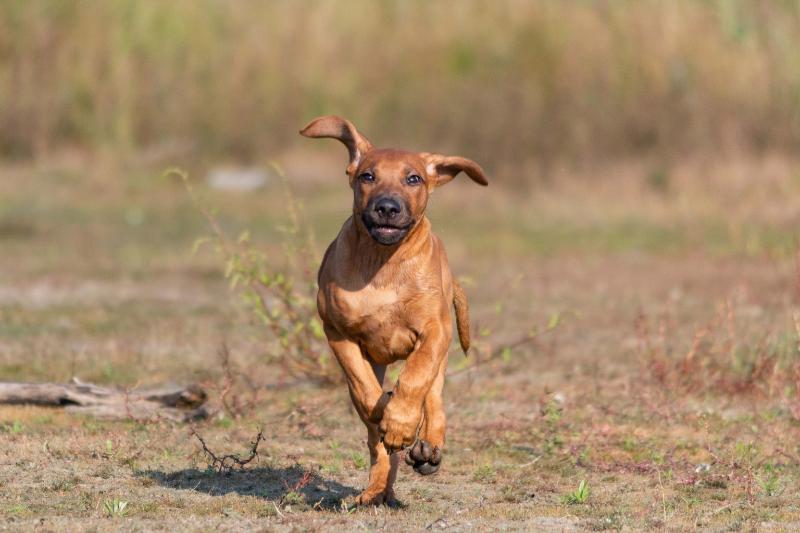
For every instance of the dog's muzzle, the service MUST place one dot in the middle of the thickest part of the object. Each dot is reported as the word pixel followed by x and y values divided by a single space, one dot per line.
pixel 387 220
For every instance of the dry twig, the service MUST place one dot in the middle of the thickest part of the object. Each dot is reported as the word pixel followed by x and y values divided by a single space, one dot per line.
pixel 228 463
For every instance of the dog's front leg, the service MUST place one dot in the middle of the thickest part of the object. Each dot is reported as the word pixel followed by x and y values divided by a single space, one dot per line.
pixel 363 380
pixel 382 471
pixel 425 455
pixel 401 417
pixel 365 390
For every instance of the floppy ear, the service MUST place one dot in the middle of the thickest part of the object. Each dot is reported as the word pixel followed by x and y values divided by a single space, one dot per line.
pixel 343 130
pixel 443 168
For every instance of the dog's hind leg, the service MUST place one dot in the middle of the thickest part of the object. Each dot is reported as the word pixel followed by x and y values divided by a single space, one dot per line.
pixel 426 453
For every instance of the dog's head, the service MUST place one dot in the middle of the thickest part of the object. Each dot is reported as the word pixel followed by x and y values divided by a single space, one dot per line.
pixel 390 187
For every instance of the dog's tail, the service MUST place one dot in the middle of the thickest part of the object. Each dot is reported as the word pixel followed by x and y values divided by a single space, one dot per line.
pixel 462 316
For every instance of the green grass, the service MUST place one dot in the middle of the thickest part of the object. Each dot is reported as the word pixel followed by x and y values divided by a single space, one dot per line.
pixel 579 495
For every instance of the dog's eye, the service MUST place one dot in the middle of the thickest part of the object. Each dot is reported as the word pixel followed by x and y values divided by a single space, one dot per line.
pixel 367 176
pixel 413 179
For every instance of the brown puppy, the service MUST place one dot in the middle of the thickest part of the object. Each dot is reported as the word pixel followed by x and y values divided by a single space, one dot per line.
pixel 385 292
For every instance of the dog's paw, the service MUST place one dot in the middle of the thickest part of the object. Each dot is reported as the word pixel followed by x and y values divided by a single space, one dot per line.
pixel 376 497
pixel 398 426
pixel 424 458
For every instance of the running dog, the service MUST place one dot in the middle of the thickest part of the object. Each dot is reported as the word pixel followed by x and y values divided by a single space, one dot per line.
pixel 385 291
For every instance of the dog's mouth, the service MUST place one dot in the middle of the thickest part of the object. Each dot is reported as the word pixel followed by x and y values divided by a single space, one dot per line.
pixel 387 234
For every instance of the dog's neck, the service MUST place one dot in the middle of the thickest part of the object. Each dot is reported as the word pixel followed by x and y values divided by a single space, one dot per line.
pixel 373 258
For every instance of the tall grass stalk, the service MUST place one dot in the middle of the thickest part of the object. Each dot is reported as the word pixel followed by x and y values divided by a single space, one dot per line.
pixel 507 82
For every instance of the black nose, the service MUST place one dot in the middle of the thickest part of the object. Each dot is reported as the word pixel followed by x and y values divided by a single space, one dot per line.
pixel 387 208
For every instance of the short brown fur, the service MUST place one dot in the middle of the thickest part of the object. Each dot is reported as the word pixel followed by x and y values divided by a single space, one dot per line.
pixel 385 291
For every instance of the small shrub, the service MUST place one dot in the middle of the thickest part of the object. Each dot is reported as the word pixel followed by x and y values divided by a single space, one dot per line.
pixel 116 508
pixel 359 461
pixel 294 495
pixel 579 495
pixel 281 295
pixel 485 474
pixel 293 498
pixel 770 481
pixel 15 427
pixel 551 409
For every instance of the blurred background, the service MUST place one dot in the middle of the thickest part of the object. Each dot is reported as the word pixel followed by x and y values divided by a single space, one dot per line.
pixel 516 84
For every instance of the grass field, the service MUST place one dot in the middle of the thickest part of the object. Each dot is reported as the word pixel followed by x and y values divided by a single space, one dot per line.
pixel 664 372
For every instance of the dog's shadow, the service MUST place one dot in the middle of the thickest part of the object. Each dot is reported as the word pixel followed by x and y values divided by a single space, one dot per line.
pixel 270 483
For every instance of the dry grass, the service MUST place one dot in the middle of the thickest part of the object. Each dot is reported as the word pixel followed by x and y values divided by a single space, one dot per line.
pixel 686 421
pixel 722 361
pixel 508 82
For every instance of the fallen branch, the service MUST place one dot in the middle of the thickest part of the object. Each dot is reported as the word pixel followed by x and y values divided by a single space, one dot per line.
pixel 227 463
pixel 173 403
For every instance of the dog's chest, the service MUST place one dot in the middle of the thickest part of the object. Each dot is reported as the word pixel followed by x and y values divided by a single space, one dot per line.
pixel 368 301
pixel 366 309
pixel 375 316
